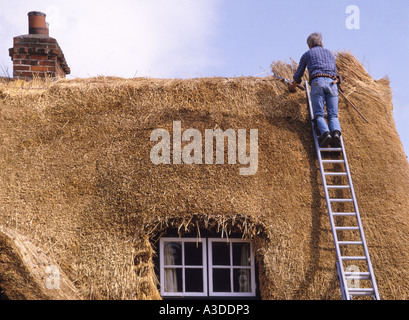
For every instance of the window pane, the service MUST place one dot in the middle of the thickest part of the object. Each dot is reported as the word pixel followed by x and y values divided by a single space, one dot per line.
pixel 173 280
pixel 193 254
pixel 241 254
pixel 221 253
pixel 173 253
pixel 241 280
pixel 194 280
pixel 221 280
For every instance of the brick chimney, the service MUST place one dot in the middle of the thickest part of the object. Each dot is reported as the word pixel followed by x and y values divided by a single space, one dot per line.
pixel 37 54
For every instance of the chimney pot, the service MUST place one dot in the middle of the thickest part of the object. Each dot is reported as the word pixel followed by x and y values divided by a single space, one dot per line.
pixel 36 23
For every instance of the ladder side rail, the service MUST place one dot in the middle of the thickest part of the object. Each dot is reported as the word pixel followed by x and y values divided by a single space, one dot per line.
pixel 343 286
pixel 343 291
pixel 358 217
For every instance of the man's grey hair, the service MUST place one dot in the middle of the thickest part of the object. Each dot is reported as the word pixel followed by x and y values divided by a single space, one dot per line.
pixel 315 40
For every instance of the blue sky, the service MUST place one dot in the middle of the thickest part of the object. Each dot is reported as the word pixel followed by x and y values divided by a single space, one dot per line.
pixel 205 38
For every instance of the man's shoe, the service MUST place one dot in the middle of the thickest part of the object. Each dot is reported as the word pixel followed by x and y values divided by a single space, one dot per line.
pixel 336 139
pixel 325 139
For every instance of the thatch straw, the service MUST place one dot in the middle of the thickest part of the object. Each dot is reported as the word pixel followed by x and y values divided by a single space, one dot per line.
pixel 29 271
pixel 77 181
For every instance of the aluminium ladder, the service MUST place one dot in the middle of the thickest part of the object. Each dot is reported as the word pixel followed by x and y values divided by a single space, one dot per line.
pixel 344 224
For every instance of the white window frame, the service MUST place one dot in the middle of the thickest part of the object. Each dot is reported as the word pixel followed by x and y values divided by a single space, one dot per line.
pixel 183 293
pixel 231 267
pixel 207 268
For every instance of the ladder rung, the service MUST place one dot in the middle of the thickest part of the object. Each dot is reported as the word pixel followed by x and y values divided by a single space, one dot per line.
pixel 350 243
pixel 330 149
pixel 353 258
pixel 357 275
pixel 338 187
pixel 344 214
pixel 361 291
pixel 346 228
pixel 358 278
pixel 335 173
pixel 333 161
pixel 341 200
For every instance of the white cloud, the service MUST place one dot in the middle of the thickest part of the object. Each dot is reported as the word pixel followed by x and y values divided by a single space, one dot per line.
pixel 157 38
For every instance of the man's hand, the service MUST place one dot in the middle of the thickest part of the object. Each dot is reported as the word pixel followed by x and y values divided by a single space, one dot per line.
pixel 292 86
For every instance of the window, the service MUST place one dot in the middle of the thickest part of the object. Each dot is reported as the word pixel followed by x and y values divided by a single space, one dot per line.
pixel 231 268
pixel 182 267
pixel 206 267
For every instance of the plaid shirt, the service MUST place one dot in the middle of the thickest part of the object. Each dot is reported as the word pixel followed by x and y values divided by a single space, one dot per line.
pixel 317 60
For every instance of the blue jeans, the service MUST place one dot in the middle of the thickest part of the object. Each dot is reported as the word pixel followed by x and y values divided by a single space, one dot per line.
pixel 323 91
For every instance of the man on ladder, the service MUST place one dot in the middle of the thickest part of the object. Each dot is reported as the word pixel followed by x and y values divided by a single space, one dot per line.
pixel 348 234
pixel 322 69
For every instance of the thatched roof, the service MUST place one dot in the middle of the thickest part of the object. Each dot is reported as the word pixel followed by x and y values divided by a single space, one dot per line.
pixel 78 189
